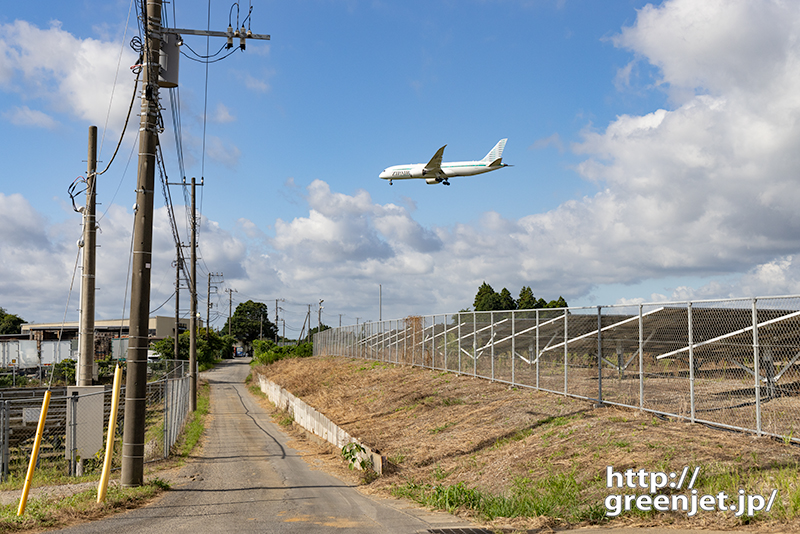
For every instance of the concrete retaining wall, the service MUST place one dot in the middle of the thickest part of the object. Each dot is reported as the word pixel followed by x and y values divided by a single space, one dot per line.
pixel 315 422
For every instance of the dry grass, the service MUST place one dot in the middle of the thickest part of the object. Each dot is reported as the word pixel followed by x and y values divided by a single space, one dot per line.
pixel 443 429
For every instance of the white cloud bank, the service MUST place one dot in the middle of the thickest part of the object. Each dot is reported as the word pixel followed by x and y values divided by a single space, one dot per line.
pixel 65 74
pixel 708 188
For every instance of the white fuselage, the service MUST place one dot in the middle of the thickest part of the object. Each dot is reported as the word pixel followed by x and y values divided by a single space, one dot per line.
pixel 437 171
pixel 450 169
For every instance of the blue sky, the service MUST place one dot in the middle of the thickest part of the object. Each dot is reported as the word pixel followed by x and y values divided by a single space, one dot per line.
pixel 654 152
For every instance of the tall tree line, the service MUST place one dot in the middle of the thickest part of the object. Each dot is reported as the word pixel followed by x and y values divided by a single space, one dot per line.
pixel 487 299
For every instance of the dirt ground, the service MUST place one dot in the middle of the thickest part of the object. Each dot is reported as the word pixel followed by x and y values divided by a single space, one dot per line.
pixel 443 429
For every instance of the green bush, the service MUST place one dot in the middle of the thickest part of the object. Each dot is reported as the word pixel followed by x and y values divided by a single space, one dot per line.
pixel 266 352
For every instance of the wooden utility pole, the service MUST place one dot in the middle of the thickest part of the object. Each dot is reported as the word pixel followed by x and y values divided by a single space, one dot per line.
pixel 177 301
pixel 193 309
pixel 208 306
pixel 136 381
pixel 230 293
pixel 319 316
pixel 89 259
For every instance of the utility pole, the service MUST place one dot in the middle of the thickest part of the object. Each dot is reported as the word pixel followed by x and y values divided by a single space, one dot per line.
pixel 319 317
pixel 193 308
pixel 208 306
pixel 177 301
pixel 230 293
pixel 136 381
pixel 88 276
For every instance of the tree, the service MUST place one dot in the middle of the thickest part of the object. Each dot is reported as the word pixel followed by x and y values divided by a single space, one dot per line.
pixel 210 346
pixel 506 301
pixel 317 329
pixel 10 323
pixel 487 300
pixel 526 299
pixel 249 321
pixel 484 297
pixel 560 303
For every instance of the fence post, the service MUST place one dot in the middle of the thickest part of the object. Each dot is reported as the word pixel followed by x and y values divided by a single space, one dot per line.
pixel 599 356
pixel 458 343
pixel 167 395
pixel 73 432
pixel 491 333
pixel 691 362
pixel 423 342
pixel 513 347
pixel 756 369
pixel 641 360
pixel 474 344
pixel 537 349
pixel 444 335
pixel 566 339
pixel 6 432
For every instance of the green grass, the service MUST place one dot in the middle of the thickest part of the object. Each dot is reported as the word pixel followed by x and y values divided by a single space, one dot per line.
pixel 555 496
pixel 54 512
pixel 442 428
pixel 196 424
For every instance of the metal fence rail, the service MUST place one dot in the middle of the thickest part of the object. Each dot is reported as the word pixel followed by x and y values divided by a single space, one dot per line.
pixel 67 430
pixel 732 363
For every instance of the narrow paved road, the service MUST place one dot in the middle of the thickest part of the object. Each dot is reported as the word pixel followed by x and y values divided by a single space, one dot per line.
pixel 249 480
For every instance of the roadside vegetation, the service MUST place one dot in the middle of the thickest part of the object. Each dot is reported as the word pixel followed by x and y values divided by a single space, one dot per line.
pixel 266 352
pixel 72 500
pixel 49 513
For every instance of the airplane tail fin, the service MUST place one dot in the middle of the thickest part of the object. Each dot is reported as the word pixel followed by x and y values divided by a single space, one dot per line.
pixel 495 155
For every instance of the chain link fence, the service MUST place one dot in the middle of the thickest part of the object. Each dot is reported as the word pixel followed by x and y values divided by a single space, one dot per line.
pixel 731 363
pixel 77 420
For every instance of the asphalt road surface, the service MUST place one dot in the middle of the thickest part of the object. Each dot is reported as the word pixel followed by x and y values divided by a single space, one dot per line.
pixel 249 480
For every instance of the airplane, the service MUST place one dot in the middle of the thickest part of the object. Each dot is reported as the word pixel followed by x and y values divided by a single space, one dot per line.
pixel 435 172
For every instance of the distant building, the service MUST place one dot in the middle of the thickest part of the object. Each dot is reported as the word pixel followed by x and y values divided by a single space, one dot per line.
pixel 107 332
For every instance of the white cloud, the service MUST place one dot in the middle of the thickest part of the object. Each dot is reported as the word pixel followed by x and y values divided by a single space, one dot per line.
pixel 707 188
pixel 27 117
pixel 223 151
pixel 63 73
pixel 223 115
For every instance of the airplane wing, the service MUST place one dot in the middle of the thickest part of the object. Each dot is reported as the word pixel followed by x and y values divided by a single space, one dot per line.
pixel 435 164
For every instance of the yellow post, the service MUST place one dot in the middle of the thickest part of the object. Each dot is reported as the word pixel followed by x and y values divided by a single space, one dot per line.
pixel 35 454
pixel 112 427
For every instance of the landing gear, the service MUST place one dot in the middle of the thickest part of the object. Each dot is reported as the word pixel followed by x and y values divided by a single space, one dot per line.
pixel 390 182
pixel 445 182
